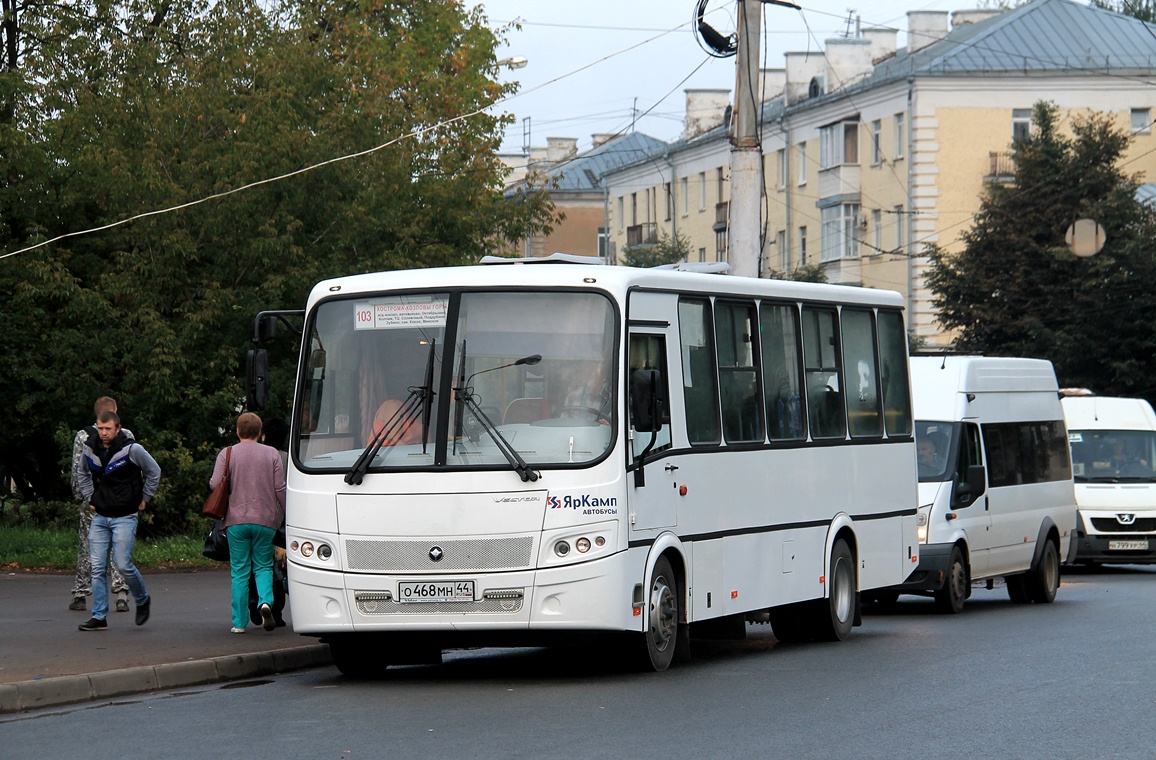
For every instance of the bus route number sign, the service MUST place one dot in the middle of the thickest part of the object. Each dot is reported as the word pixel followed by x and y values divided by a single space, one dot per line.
pixel 435 591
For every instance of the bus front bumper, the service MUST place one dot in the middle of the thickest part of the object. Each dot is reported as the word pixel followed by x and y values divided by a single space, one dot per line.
pixel 931 573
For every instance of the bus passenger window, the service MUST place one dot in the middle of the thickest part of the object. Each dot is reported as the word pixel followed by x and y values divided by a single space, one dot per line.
pixel 825 413
pixel 779 327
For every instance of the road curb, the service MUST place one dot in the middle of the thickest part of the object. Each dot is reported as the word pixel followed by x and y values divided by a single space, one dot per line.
pixel 65 690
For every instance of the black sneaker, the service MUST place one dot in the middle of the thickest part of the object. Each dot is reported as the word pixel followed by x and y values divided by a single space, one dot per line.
pixel 122 605
pixel 267 621
pixel 142 611
pixel 93 624
pixel 77 604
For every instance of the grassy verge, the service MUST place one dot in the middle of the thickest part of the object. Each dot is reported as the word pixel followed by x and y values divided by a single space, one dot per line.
pixel 45 550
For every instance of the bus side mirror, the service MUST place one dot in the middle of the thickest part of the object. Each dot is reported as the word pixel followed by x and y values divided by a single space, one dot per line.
pixel 256 379
pixel 266 329
pixel 973 487
pixel 645 404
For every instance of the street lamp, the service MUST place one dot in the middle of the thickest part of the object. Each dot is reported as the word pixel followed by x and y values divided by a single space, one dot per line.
pixel 514 62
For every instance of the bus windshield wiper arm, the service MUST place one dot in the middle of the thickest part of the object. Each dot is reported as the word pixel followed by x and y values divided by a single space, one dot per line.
pixel 401 419
pixel 512 456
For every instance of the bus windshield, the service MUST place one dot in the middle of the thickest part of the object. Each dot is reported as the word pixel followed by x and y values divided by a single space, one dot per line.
pixel 1113 455
pixel 517 377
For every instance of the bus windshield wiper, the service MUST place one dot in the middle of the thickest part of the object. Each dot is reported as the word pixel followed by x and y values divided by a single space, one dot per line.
pixel 465 398
pixel 419 402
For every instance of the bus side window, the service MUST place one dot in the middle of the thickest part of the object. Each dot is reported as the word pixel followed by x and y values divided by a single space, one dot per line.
pixel 779 328
pixel 825 413
pixel 649 352
pixel 699 376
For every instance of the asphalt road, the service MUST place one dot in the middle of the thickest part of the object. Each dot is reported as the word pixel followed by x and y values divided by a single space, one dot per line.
pixel 1074 679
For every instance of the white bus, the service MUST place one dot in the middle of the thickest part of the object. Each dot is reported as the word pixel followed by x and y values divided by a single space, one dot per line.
pixel 1113 444
pixel 532 452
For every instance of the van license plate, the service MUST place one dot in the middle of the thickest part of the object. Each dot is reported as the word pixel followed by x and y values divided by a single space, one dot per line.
pixel 435 591
pixel 1127 546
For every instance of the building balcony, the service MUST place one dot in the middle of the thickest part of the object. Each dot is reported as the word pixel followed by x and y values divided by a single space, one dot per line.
pixel 721 213
pixel 642 234
pixel 1001 167
pixel 841 180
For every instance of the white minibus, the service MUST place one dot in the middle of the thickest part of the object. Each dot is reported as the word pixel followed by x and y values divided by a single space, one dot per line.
pixel 995 478
pixel 1114 464
pixel 535 451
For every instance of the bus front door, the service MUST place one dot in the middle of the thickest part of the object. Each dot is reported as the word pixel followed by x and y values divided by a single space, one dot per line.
pixel 652 504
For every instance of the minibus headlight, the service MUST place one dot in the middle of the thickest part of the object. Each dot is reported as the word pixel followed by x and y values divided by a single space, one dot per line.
pixel 562 548
pixel 324 551
pixel 306 549
pixel 582 545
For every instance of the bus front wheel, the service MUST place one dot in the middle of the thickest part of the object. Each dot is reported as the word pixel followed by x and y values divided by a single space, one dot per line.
pixel 663 615
pixel 951 597
pixel 356 657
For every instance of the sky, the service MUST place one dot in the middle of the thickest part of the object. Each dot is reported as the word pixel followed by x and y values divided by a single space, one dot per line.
pixel 596 66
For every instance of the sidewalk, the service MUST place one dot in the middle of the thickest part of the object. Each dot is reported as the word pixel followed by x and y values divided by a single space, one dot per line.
pixel 45 660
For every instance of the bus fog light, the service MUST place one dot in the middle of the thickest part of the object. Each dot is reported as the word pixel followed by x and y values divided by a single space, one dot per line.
pixel 306 549
pixel 582 545
pixel 324 551
pixel 600 541
pixel 561 548
pixel 294 545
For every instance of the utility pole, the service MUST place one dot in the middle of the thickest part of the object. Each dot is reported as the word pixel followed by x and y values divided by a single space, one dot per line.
pixel 746 180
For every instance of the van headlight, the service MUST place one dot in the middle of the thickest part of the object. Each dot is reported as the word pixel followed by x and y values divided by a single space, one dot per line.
pixel 921 525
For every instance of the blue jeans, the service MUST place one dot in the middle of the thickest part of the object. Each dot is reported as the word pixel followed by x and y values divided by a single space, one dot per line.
pixel 119 532
pixel 250 554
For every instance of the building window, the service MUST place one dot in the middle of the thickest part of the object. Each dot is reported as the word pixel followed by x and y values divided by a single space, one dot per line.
pixel 802 150
pixel 634 209
pixel 782 157
pixel 1021 123
pixel 621 214
pixel 720 245
pixel 802 246
pixel 877 230
pixel 1141 121
pixel 876 142
pixel 702 191
pixel 720 185
pixel 839 144
pixel 900 229
pixel 702 254
pixel 900 136
pixel 602 243
pixel 784 252
pixel 684 191
pixel 839 231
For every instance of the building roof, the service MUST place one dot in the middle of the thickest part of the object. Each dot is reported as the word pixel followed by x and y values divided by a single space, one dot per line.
pixel 1053 36
pixel 1041 37
pixel 1146 193
pixel 584 172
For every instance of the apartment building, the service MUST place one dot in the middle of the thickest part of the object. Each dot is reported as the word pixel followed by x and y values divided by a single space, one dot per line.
pixel 872 152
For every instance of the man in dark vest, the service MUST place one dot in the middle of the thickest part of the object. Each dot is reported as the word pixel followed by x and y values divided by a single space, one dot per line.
pixel 118 482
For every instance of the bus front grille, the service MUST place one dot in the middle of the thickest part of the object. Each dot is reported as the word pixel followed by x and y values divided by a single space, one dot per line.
pixel 374 603
pixel 426 556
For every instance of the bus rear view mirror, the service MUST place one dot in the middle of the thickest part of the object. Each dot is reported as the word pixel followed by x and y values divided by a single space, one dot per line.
pixel 973 487
pixel 266 328
pixel 256 379
pixel 645 401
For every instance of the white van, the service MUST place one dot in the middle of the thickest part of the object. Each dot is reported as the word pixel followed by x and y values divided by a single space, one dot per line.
pixel 995 478
pixel 1114 463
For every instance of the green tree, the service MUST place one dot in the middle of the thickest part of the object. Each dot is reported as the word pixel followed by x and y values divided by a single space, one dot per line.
pixel 801 273
pixel 668 250
pixel 1145 10
pixel 1017 290
pixel 134 110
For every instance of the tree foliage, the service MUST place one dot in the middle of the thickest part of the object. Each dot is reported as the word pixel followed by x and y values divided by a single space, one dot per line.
pixel 1145 10
pixel 122 108
pixel 801 273
pixel 1017 290
pixel 668 250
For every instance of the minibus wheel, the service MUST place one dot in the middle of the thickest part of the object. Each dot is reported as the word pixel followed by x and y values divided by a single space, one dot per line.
pixel 835 616
pixel 1043 581
pixel 951 597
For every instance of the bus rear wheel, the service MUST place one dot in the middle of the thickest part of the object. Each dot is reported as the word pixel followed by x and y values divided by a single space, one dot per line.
pixel 834 617
pixel 1042 582
pixel 663 616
